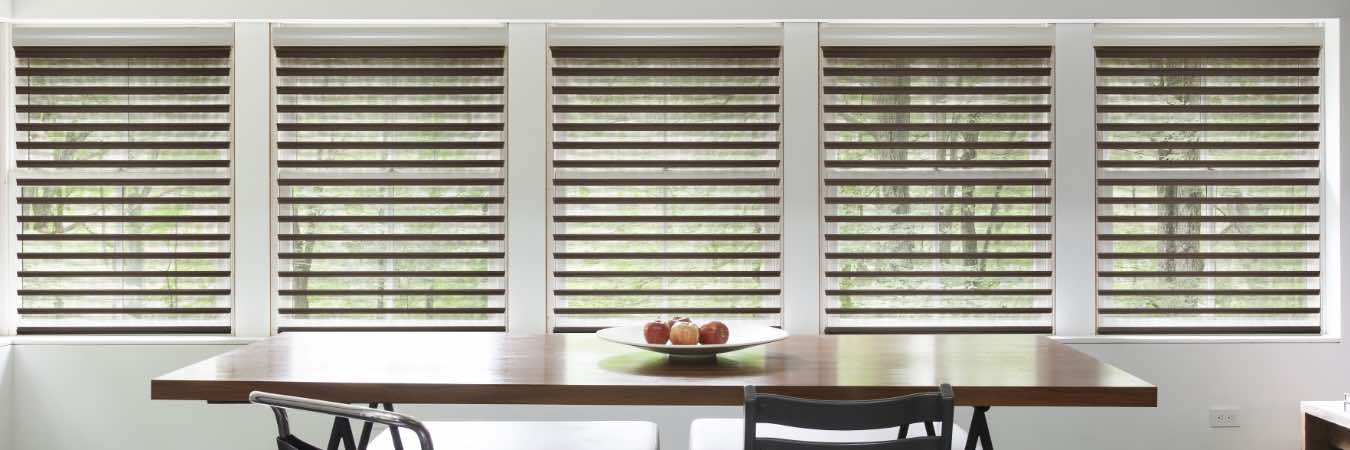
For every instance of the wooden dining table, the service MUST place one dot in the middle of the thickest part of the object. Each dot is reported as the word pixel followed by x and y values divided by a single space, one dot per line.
pixel 385 368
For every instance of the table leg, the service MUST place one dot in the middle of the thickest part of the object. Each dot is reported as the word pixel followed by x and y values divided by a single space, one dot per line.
pixel 979 430
pixel 342 433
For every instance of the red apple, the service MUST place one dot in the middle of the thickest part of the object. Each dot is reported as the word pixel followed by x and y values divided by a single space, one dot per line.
pixel 684 333
pixel 713 333
pixel 671 322
pixel 656 332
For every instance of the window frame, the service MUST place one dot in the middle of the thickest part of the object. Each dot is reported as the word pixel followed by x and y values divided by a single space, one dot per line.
pixel 210 34
pixel 995 38
pixel 1325 34
pixel 748 35
pixel 1074 318
pixel 285 34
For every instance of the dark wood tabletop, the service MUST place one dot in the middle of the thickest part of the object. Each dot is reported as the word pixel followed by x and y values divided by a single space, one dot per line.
pixel 581 369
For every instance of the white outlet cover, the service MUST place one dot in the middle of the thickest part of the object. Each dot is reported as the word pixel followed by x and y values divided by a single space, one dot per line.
pixel 1225 417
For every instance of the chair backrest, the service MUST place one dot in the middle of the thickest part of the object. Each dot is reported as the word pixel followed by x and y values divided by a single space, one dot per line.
pixel 847 415
pixel 288 441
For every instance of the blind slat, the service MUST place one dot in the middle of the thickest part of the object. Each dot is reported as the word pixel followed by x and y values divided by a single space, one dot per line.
pixel 391 126
pixel 390 90
pixel 721 56
pixel 390 71
pixel 359 311
pixel 663 200
pixel 283 144
pixel 1209 273
pixel 390 200
pixel 121 90
pixel 388 292
pixel 400 56
pixel 123 200
pixel 390 255
pixel 126 164
pixel 1197 53
pixel 389 237
pixel 123 145
pixel 130 54
pixel 390 273
pixel 665 145
pixel 837 56
pixel 206 108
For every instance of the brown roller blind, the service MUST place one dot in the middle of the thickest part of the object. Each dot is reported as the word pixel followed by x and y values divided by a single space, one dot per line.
pixel 937 207
pixel 390 165
pixel 666 189
pixel 123 176
pixel 1208 161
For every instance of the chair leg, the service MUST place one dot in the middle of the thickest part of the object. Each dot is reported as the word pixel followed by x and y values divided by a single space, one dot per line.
pixel 979 430
pixel 366 428
pixel 393 431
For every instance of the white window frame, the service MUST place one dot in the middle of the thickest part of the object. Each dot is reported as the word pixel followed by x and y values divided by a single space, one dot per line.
pixel 1080 169
pixel 527 174
pixel 291 33
pixel 937 35
pixel 214 32
pixel 731 34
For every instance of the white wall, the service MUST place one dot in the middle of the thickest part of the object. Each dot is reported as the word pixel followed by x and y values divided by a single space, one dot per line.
pixel 98 397
pixel 6 395
pixel 1266 380
pixel 76 397
pixel 87 396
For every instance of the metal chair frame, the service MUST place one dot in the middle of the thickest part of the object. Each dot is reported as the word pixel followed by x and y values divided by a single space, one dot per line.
pixel 342 430
pixel 847 415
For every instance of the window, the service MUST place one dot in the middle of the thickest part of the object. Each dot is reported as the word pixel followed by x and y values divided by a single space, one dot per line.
pixel 934 167
pixel 123 176
pixel 937 208
pixel 1208 190
pixel 666 184
pixel 390 188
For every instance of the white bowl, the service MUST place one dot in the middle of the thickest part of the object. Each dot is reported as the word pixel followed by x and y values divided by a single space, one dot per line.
pixel 741 336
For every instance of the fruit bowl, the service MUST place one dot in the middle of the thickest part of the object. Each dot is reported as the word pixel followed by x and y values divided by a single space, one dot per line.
pixel 742 336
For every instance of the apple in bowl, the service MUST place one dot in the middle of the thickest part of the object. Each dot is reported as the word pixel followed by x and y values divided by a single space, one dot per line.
pixel 685 337
pixel 656 332
pixel 713 333
pixel 684 333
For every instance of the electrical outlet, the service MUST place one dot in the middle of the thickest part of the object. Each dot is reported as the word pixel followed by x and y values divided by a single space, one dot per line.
pixel 1224 417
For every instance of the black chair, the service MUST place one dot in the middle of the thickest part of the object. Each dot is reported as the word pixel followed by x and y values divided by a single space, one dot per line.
pixel 775 422
pixel 462 435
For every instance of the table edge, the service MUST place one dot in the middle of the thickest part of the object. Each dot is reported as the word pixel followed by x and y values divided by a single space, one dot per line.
pixel 529 394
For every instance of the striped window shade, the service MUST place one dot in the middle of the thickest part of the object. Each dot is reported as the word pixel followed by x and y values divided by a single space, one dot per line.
pixel 1208 190
pixel 937 184
pixel 123 185
pixel 666 185
pixel 390 188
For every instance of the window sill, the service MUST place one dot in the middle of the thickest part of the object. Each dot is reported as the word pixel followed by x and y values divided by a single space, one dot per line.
pixel 1160 339
pixel 129 340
